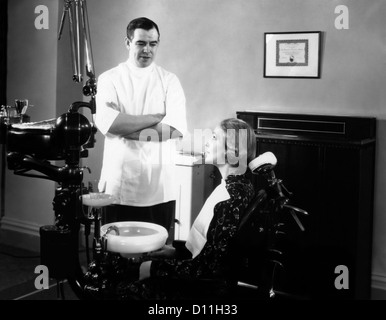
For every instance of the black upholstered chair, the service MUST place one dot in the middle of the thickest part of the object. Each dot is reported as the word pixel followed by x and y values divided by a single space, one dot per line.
pixel 258 257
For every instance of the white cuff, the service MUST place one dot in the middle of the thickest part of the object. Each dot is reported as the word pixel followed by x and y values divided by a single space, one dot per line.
pixel 144 270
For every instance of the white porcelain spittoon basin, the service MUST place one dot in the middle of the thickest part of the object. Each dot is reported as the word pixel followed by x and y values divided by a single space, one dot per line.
pixel 97 199
pixel 135 237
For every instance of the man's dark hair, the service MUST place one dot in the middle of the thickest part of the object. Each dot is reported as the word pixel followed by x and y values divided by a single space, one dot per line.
pixel 140 23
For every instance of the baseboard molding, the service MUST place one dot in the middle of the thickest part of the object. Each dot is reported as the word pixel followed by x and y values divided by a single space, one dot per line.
pixel 20 234
pixel 378 281
pixel 26 235
pixel 21 226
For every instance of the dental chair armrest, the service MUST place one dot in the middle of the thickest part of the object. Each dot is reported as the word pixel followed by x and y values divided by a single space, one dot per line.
pixel 181 251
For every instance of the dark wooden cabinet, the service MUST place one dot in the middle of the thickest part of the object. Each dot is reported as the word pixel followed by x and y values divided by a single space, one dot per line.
pixel 328 164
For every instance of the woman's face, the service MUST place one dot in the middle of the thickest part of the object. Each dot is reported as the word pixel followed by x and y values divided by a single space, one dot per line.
pixel 215 148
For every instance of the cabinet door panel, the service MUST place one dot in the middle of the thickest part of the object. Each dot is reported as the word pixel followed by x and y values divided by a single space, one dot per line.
pixel 328 163
pixel 323 182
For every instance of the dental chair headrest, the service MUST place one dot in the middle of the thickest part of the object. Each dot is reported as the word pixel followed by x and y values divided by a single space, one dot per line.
pixel 263 163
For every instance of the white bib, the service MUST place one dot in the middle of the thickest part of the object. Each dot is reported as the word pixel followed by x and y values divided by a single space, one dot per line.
pixel 197 235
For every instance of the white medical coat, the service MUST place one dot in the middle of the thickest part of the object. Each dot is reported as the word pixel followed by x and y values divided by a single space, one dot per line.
pixel 139 173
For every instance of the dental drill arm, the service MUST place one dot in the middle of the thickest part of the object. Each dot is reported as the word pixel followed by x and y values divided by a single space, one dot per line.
pixel 23 163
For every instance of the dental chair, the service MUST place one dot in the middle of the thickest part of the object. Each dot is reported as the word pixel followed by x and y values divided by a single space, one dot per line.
pixel 260 247
pixel 256 255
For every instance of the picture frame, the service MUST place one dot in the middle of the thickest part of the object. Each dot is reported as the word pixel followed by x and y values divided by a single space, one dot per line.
pixel 292 54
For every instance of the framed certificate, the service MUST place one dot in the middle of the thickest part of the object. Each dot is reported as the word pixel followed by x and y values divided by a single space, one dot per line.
pixel 292 54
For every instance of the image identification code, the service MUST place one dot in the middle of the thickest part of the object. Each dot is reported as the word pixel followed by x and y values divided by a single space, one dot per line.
pixel 210 309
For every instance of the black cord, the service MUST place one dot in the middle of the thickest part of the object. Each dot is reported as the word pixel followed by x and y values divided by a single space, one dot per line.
pixel 87 250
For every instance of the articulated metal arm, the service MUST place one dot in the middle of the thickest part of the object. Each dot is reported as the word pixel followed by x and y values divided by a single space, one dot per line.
pixel 80 32
pixel 23 163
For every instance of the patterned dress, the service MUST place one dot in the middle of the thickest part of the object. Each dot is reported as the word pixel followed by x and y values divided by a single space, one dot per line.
pixel 176 279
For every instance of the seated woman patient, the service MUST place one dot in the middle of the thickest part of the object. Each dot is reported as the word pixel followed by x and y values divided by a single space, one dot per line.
pixel 231 148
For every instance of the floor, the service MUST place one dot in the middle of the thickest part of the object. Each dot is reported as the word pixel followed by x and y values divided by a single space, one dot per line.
pixel 17 277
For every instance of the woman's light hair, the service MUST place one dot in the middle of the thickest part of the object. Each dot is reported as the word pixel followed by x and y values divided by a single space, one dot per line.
pixel 240 142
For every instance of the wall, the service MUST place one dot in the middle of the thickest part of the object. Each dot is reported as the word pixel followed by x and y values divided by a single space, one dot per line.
pixel 32 59
pixel 3 50
pixel 216 49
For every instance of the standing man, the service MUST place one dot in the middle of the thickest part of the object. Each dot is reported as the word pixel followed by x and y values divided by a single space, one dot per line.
pixel 140 108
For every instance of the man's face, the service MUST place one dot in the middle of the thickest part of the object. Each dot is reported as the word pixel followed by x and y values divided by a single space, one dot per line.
pixel 143 47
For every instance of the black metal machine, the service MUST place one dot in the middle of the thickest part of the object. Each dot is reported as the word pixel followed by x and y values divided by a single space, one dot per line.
pixel 32 146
